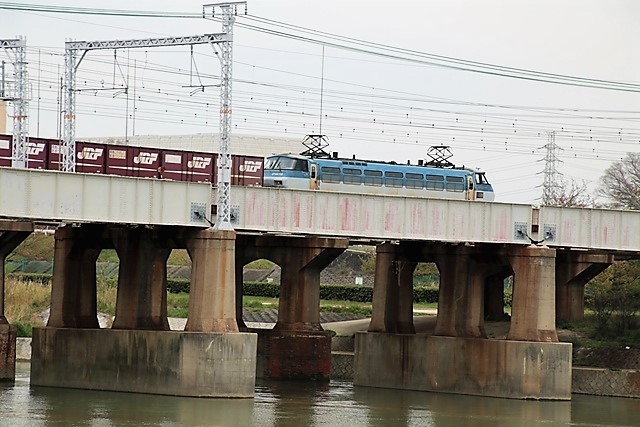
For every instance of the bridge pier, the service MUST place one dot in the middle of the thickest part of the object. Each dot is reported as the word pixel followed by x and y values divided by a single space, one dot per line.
pixel 140 353
pixel 142 278
pixel 573 271
pixel 12 233
pixel 459 358
pixel 297 347
pixel 392 291
pixel 73 288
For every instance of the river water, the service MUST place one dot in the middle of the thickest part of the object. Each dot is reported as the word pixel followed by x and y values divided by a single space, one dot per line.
pixel 300 404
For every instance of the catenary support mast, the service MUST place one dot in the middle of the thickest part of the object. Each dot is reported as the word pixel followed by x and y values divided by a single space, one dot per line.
pixel 19 99
pixel 225 54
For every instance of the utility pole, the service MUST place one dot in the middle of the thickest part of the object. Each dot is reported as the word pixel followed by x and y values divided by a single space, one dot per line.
pixel 551 182
pixel 20 155
pixel 225 55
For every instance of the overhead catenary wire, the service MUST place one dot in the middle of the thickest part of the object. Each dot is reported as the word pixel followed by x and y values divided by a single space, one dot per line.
pixel 482 127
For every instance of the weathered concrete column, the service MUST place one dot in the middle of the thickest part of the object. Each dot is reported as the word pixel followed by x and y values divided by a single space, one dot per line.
pixel 461 297
pixel 73 288
pixel 297 347
pixel 392 291
pixel 212 298
pixel 142 279
pixel 573 271
pixel 533 308
pixel 301 261
pixel 12 233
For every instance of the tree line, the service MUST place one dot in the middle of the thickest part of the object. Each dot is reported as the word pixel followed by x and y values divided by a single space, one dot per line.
pixel 614 295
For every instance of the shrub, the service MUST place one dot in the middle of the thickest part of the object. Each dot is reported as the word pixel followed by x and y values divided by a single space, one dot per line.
pixel 178 286
pixel 41 278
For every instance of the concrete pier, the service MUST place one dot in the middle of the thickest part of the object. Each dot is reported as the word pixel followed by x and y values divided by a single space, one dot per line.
pixel 498 368
pixel 458 358
pixel 12 233
pixel 143 361
pixel 139 353
pixel 297 347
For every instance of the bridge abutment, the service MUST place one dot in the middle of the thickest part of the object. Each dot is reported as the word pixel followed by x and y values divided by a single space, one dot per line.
pixel 12 233
pixel 459 358
pixel 140 354
pixel 297 347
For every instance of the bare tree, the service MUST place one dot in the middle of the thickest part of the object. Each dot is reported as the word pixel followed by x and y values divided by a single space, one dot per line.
pixel 621 182
pixel 571 194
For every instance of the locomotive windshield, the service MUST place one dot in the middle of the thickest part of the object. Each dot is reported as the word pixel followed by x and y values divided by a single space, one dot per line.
pixel 481 179
pixel 286 163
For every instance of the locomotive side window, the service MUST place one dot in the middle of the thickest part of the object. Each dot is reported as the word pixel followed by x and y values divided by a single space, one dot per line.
pixel 351 176
pixel 330 174
pixel 373 177
pixel 414 180
pixel 393 179
pixel 455 183
pixel 435 182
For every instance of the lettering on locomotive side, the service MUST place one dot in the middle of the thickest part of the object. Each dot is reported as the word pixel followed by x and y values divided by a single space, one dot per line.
pixel 144 158
pixel 35 148
pixel 199 162
pixel 250 166
pixel 90 153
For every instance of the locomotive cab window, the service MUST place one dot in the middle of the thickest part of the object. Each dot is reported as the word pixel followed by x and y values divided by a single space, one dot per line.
pixel 286 163
pixel 481 179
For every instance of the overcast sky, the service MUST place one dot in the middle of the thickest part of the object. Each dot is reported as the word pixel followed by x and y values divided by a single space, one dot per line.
pixel 374 105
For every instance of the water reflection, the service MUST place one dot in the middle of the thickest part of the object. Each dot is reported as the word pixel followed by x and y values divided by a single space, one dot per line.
pixel 301 404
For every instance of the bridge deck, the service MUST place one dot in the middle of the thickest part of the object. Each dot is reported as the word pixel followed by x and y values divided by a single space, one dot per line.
pixel 48 196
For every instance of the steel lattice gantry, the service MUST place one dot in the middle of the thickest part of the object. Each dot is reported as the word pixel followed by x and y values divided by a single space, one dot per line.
pixel 18 47
pixel 72 62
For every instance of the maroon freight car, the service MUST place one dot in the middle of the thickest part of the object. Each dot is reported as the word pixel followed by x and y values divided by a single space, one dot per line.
pixel 142 162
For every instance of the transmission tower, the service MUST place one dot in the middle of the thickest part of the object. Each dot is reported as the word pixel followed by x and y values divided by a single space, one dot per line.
pixel 552 181
pixel 19 98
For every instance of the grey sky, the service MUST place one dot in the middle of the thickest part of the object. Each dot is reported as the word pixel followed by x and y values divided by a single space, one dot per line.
pixel 376 107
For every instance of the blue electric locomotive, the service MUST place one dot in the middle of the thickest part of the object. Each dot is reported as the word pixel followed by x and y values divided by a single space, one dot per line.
pixel 375 177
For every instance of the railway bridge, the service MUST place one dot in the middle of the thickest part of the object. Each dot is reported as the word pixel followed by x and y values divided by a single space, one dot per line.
pixel 550 252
